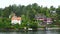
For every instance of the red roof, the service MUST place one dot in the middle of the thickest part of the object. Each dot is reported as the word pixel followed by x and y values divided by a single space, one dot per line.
pixel 16 18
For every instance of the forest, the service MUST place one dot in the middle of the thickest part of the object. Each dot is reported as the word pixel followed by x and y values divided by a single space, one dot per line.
pixel 27 13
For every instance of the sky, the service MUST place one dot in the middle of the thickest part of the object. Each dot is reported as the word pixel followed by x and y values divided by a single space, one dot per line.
pixel 44 3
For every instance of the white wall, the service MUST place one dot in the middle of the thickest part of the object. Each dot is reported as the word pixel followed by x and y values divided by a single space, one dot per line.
pixel 16 21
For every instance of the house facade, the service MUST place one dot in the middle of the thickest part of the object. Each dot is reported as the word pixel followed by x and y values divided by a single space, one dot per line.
pixel 15 20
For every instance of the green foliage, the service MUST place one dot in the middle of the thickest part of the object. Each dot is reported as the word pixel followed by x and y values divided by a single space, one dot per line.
pixel 5 23
pixel 27 14
pixel 33 25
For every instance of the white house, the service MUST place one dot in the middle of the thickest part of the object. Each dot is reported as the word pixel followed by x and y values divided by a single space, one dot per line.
pixel 15 20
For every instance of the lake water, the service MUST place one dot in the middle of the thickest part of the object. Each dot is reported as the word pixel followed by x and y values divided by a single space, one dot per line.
pixel 33 32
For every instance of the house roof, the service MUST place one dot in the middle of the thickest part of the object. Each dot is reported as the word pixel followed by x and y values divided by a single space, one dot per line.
pixel 15 18
pixel 39 16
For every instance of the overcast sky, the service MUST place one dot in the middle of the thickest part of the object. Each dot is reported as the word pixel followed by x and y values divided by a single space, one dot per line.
pixel 48 3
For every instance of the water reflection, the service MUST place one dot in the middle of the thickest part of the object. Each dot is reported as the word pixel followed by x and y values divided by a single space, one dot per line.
pixel 32 32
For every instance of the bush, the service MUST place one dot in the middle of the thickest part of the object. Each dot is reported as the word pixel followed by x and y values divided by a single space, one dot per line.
pixel 33 25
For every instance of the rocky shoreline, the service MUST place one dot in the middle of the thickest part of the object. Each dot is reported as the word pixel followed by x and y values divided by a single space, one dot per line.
pixel 5 29
pixel 48 28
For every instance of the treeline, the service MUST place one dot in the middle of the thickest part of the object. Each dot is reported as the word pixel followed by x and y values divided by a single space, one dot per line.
pixel 28 12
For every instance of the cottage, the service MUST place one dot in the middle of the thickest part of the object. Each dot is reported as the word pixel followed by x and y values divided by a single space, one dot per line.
pixel 15 20
pixel 43 19
pixel 40 18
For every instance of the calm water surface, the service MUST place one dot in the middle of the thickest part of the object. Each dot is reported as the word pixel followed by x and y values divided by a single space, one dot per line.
pixel 33 32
